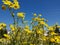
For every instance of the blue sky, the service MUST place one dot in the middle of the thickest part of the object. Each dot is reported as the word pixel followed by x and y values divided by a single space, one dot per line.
pixel 50 9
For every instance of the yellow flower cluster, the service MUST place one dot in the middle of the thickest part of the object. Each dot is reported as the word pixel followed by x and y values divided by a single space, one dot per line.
pixel 14 4
pixel 55 39
pixel 25 35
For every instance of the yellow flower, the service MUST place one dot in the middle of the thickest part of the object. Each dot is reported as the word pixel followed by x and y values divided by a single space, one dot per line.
pixel 15 1
pixel 11 5
pixel 3 24
pixel 34 14
pixel 26 27
pixel 16 5
pixel 39 31
pixel 42 22
pixel 20 15
pixel 44 38
pixel 7 36
pixel 52 40
pixel 51 28
pixel 57 39
pixel 7 2
pixel 53 33
pixel 12 27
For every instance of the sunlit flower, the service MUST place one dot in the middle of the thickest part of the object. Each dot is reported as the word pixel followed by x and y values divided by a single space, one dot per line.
pixel 16 5
pixel 7 36
pixel 52 40
pixel 26 27
pixel 7 2
pixel 20 15
pixel 51 28
pixel 44 38
pixel 12 27
pixel 34 14
pixel 3 24
pixel 42 22
pixel 57 39
pixel 39 31
pixel 53 33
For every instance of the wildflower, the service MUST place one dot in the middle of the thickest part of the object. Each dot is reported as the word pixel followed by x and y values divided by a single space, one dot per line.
pixel 12 27
pixel 44 38
pixel 3 24
pixel 7 2
pixel 7 36
pixel 15 1
pixel 51 28
pixel 53 33
pixel 39 31
pixel 26 27
pixel 34 14
pixel 57 39
pixel 16 5
pixel 42 22
pixel 20 15
pixel 11 5
pixel 52 40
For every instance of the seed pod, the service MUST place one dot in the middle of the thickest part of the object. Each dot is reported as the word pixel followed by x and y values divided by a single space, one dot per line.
pixel 3 7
